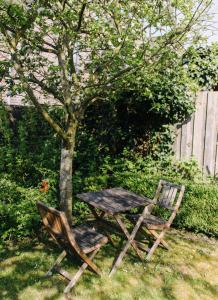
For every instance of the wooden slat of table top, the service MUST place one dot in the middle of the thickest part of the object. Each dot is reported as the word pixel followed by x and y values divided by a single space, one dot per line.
pixel 114 200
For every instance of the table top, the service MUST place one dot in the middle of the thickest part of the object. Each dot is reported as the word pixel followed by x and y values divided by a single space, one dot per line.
pixel 114 200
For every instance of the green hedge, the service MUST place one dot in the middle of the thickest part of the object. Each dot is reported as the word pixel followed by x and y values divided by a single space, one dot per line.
pixel 198 212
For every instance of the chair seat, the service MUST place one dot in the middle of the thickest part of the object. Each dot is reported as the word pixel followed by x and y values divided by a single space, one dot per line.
pixel 150 221
pixel 88 239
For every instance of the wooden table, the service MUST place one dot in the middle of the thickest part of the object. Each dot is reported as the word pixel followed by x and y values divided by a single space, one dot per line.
pixel 113 202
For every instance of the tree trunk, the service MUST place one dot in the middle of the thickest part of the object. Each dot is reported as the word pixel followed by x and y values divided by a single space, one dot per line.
pixel 66 170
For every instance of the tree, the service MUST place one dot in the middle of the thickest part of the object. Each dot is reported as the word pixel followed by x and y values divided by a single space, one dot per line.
pixel 81 52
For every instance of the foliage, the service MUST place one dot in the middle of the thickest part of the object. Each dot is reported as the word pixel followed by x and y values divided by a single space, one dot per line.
pixel 119 79
pixel 200 204
pixel 26 161
pixel 139 117
pixel 202 64
pixel 28 155
pixel 18 215
pixel 123 47
pixel 198 211
pixel 82 55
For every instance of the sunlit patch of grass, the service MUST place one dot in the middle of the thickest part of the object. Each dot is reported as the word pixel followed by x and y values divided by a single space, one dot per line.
pixel 188 271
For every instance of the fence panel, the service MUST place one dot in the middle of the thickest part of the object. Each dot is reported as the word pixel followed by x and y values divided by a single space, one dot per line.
pixel 197 137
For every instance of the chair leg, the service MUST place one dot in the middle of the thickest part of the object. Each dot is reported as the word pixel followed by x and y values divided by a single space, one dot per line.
pixel 118 260
pixel 156 243
pixel 163 242
pixel 76 277
pixel 56 263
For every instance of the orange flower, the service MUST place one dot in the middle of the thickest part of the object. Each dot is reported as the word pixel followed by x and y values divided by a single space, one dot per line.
pixel 44 186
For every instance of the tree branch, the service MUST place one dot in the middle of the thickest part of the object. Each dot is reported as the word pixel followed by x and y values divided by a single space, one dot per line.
pixel 41 110
pixel 46 88
pixel 19 69
pixel 81 16
pixel 39 107
pixel 66 86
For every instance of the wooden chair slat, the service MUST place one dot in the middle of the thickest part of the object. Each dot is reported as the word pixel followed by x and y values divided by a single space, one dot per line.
pixel 167 195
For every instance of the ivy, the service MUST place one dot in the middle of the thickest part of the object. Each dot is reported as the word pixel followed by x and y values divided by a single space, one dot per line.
pixel 202 65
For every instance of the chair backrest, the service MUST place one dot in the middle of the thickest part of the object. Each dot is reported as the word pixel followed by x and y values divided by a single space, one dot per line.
pixel 169 195
pixel 57 225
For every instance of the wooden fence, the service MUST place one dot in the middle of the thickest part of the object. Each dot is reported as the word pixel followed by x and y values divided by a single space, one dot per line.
pixel 198 136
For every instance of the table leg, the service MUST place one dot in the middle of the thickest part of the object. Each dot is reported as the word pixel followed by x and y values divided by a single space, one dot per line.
pixel 100 219
pixel 133 243
pixel 130 239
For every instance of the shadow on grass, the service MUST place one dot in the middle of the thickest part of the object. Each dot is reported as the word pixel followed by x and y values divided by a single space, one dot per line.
pixel 23 266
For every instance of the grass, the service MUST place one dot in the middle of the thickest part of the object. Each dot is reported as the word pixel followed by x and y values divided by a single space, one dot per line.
pixel 188 271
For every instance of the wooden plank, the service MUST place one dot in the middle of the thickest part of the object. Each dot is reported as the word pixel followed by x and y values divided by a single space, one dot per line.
pixel 125 231
pixel 186 138
pixel 199 127
pixel 183 140
pixel 189 143
pixel 87 238
pixel 198 136
pixel 56 263
pixel 177 143
pixel 76 277
pixel 63 272
pixel 114 200
pixel 131 238
pixel 163 242
pixel 216 159
pixel 210 135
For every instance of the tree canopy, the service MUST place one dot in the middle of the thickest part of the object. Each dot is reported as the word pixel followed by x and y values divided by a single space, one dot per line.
pixel 81 52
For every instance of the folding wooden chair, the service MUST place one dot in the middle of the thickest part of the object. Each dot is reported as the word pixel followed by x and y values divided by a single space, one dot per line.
pixel 82 241
pixel 168 196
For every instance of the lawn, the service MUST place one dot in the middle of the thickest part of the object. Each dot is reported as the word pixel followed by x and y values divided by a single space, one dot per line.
pixel 188 271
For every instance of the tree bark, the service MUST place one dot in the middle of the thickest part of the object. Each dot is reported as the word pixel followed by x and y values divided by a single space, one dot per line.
pixel 66 170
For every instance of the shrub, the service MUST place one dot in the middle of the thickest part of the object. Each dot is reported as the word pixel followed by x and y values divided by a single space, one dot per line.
pixel 28 157
pixel 202 65
pixel 198 212
pixel 18 213
pixel 199 208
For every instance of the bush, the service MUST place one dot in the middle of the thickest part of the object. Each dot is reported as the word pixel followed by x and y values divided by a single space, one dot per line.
pixel 26 158
pixel 199 208
pixel 198 212
pixel 18 213
pixel 202 65
pixel 30 156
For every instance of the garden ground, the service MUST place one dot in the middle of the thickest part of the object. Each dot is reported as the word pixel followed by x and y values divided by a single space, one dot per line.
pixel 188 271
